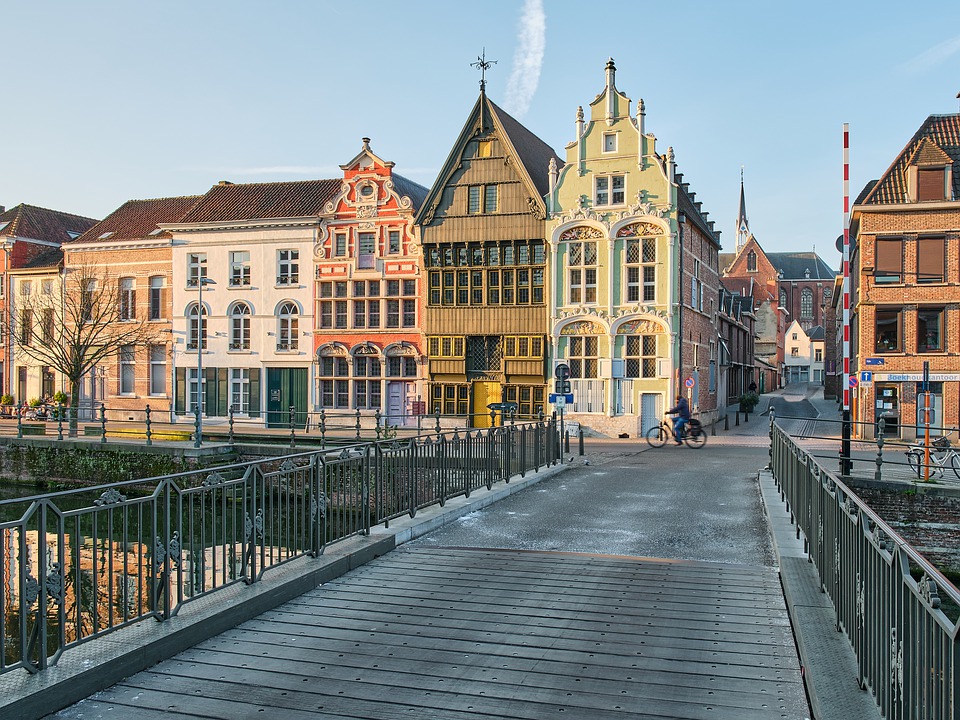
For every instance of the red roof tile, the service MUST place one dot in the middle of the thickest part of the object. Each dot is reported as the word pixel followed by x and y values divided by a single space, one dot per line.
pixel 37 223
pixel 137 219
pixel 228 202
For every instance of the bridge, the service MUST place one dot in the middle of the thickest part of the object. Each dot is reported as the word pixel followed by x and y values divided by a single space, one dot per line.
pixel 627 582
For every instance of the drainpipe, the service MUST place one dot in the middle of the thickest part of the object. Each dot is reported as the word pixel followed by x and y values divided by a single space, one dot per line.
pixel 681 221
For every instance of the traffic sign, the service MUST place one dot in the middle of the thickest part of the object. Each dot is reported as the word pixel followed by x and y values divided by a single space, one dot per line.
pixel 853 381
pixel 561 371
pixel 556 398
pixel 873 361
pixel 561 387
pixel 866 377
pixel 689 382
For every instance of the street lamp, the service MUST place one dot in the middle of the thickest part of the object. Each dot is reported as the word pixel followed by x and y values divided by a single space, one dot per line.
pixel 198 407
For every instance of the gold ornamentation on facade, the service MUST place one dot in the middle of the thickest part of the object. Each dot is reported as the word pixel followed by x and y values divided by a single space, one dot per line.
pixel 581 232
pixel 583 327
pixel 640 229
pixel 640 327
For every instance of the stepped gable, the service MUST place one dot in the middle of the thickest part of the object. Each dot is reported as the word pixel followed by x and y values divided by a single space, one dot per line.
pixel 36 223
pixel 227 202
pixel 137 219
pixel 936 142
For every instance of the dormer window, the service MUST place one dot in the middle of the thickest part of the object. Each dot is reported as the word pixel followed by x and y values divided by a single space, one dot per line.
pixel 931 184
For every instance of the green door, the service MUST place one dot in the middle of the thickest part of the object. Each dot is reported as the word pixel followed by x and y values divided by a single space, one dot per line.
pixel 286 387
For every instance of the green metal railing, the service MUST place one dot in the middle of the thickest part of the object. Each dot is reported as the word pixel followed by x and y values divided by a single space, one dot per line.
pixel 898 611
pixel 78 564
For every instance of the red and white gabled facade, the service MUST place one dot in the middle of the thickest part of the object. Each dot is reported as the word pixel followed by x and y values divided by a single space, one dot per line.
pixel 368 289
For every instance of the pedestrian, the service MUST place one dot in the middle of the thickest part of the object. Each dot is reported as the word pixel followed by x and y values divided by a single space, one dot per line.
pixel 682 412
pixel 753 387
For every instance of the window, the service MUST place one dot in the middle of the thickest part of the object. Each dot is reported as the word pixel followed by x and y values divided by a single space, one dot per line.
pixel 481 198
pixel 751 261
pixel 793 336
pixel 610 190
pixel 47 287
pixel 156 298
pixel 806 304
pixel 583 357
pixel 930 260
pixel 609 142
pixel 26 287
pixel 48 379
pixel 696 288
pixel 402 366
pixel 340 245
pixel 197 334
pixel 445 347
pixel 366 248
pixel 794 352
pixel 929 330
pixel 47 326
pixel 240 327
pixel 128 299
pixel 582 278
pixel 450 399
pixel 783 298
pixel 818 355
pixel 239 268
pixel 127 359
pixel 26 327
pixel 288 337
pixel 334 372
pixel 889 325
pixel 507 273
pixel 240 390
pixel 393 242
pixel 366 383
pixel 640 354
pixel 889 267
pixel 484 148
pixel 197 390
pixel 288 267
pixel 196 268
pixel 931 184
pixel 158 370
pixel 641 269
pixel 523 347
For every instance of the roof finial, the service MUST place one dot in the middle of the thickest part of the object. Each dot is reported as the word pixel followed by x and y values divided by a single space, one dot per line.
pixel 482 64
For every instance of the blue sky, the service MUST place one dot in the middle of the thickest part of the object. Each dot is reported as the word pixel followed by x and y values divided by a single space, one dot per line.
pixel 108 101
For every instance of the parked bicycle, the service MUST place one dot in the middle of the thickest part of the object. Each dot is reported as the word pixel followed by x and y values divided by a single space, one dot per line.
pixel 692 434
pixel 942 455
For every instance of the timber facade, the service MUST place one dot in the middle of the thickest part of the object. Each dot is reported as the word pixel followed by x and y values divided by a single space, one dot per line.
pixel 482 229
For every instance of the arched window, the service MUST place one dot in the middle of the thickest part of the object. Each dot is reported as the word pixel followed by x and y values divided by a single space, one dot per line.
pixel 196 333
pixel 240 326
pixel 333 369
pixel 289 329
pixel 366 378
pixel 806 304
pixel 751 261
pixel 783 298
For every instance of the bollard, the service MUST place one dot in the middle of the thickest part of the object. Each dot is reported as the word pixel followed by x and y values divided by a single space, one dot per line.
pixel 713 427
pixel 880 429
pixel 103 423
pixel 726 421
pixel 149 433
pixel 737 417
pixel 580 437
pixel 566 441
pixel 746 416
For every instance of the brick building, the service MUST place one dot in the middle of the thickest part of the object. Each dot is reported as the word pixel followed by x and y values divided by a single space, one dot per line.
pixel 905 240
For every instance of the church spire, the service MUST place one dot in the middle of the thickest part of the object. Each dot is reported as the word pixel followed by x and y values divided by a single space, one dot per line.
pixel 743 226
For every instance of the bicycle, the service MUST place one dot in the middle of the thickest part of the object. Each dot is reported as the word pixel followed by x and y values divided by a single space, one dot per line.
pixel 692 434
pixel 941 455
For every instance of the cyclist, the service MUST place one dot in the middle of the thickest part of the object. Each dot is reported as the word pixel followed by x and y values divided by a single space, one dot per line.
pixel 682 412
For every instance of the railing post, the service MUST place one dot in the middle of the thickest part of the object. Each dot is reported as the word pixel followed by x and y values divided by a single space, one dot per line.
pixel 377 416
pixel 103 423
pixel 773 417
pixel 149 433
pixel 19 424
pixel 881 426
pixel 323 428
pixel 358 423
pixel 60 410
pixel 230 424
pixel 197 440
pixel 291 417
pixel 438 420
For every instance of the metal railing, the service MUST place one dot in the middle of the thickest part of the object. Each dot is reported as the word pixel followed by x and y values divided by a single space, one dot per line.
pixel 898 611
pixel 78 564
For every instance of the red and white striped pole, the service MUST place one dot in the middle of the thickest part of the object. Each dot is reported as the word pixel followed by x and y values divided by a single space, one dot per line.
pixel 845 377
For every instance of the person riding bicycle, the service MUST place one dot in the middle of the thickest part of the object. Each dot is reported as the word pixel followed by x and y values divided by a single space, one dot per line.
pixel 682 412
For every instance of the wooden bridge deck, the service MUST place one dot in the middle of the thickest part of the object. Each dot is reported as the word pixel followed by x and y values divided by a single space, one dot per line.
pixel 446 633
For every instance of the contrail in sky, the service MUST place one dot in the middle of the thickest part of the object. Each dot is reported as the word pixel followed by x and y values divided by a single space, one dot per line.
pixel 528 59
pixel 932 57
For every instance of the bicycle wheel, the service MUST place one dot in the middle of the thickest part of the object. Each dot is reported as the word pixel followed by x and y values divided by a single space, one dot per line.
pixel 915 461
pixel 955 464
pixel 657 436
pixel 696 438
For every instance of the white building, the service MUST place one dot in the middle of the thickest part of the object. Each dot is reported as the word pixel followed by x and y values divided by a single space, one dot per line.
pixel 803 354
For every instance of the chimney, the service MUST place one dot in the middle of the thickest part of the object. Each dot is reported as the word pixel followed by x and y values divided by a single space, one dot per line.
pixel 224 183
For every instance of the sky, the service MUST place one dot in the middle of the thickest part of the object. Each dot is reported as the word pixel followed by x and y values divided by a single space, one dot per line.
pixel 106 101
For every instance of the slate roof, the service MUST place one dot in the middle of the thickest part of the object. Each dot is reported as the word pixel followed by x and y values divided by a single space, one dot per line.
pixel 937 140
pixel 534 153
pixel 49 258
pixel 227 202
pixel 816 333
pixel 37 223
pixel 415 191
pixel 794 266
pixel 137 219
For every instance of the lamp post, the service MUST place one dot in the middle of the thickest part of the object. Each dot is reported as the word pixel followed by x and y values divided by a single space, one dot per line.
pixel 201 281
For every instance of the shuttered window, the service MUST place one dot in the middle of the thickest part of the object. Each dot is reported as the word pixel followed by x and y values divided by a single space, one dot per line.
pixel 930 260
pixel 889 269
pixel 931 183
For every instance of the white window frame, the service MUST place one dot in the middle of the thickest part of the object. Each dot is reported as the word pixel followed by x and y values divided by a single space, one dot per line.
pixel 128 298
pixel 609 147
pixel 605 194
pixel 288 267
pixel 155 300
pixel 127 370
pixel 239 268
pixel 158 370
pixel 288 327
pixel 239 327
pixel 240 391
pixel 196 268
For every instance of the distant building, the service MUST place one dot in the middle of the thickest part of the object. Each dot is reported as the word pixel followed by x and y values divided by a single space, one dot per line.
pixel 905 240
pixel 804 357
pixel 736 335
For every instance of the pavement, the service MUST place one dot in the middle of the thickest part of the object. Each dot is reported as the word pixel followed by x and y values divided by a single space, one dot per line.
pixel 828 661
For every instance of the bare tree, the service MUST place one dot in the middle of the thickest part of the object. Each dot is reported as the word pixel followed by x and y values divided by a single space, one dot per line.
pixel 86 321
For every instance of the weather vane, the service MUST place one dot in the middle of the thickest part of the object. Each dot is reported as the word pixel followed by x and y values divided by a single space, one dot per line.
pixel 482 64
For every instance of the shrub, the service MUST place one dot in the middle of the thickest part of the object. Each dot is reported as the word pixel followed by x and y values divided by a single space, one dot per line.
pixel 60 397
pixel 35 402
pixel 6 399
pixel 748 401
